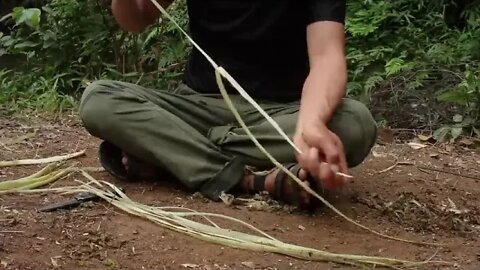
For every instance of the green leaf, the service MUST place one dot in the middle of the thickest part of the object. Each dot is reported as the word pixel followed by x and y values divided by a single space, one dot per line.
pixel 30 16
pixel 456 131
pixel 25 44
pixel 457 118
pixel 372 82
pixel 468 121
pixel 7 41
pixel 17 14
pixel 394 65
pixel 454 96
pixel 441 134
pixel 476 131
pixel 353 87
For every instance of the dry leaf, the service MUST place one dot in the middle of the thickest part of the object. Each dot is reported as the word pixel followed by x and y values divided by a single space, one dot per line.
pixel 424 138
pixel 465 141
pixel 250 265
pixel 416 146
pixel 227 198
pixel 449 147
pixel 54 262
pixel 189 265
pixel 378 155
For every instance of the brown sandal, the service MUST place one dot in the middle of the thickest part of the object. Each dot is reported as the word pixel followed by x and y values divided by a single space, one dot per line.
pixel 280 180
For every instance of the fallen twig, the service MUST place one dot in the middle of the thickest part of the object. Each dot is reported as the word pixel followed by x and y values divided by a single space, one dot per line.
pixel 398 163
pixel 12 231
pixel 41 160
pixel 447 172
pixel 6 147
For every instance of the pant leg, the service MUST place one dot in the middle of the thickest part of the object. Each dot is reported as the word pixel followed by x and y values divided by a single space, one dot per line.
pixel 352 122
pixel 166 129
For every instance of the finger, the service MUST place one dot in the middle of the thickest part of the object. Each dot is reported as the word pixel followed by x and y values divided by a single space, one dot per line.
pixel 302 159
pixel 326 175
pixel 313 162
pixel 342 162
pixel 342 167
pixel 301 156
pixel 326 146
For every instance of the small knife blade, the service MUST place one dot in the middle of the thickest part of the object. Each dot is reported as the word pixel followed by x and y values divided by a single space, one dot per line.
pixel 76 201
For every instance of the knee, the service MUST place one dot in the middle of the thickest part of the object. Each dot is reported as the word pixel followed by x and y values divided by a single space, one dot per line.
pixel 359 131
pixel 96 106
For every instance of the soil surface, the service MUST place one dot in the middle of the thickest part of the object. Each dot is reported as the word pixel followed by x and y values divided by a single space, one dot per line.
pixel 412 200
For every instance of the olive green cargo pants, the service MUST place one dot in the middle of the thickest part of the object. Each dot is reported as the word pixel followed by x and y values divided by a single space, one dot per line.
pixel 195 137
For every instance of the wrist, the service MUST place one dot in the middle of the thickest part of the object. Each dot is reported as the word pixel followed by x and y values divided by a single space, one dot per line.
pixel 316 103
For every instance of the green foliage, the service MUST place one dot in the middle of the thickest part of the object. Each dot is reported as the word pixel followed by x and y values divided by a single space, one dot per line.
pixel 30 17
pixel 68 43
pixel 401 54
pixel 407 49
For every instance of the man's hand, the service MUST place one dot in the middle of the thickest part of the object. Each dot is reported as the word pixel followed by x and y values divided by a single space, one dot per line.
pixel 136 15
pixel 322 151
pixel 322 154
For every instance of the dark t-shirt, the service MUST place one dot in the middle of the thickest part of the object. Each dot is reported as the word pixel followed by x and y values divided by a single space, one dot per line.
pixel 261 43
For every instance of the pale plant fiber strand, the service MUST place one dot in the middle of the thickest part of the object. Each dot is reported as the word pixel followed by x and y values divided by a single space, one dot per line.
pixel 179 222
pixel 219 71
pixel 41 160
pixel 47 175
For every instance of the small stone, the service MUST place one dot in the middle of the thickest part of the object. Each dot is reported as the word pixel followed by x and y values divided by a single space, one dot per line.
pixel 189 265
pixel 250 265
pixel 300 227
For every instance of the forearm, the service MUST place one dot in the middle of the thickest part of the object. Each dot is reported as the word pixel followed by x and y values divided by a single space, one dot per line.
pixel 325 85
pixel 324 88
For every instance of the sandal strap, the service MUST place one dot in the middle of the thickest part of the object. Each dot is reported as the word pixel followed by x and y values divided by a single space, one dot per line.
pixel 280 178
pixel 259 183
pixel 293 186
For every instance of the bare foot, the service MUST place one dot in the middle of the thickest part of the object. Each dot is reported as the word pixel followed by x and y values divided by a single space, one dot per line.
pixel 145 170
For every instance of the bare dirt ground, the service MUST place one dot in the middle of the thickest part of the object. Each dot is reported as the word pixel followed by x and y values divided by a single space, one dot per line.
pixel 408 200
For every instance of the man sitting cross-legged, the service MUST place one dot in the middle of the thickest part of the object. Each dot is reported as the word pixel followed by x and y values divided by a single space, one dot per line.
pixel 288 55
